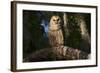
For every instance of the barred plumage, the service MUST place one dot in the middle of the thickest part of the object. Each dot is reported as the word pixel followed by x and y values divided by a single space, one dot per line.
pixel 55 33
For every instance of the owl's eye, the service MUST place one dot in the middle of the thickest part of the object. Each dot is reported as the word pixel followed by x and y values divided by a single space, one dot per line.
pixel 57 19
pixel 54 20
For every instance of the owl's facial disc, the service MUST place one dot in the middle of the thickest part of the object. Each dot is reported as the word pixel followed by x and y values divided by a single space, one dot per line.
pixel 56 20
pixel 55 23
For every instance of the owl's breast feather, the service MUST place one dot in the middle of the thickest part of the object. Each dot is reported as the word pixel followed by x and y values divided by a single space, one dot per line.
pixel 54 28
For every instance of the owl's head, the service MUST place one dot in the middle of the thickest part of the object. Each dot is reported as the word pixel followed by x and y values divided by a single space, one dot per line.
pixel 55 21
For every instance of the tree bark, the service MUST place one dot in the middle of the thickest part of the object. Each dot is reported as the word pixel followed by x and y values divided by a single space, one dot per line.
pixel 65 26
pixel 56 53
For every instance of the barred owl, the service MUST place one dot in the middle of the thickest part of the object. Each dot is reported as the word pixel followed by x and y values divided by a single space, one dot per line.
pixel 55 33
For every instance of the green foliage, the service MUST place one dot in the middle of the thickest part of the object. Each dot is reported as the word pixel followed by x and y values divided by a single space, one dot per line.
pixel 74 38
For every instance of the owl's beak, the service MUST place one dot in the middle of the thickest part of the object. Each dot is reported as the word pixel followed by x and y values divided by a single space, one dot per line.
pixel 56 22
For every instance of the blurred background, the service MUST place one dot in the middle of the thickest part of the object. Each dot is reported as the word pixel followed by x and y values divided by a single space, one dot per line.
pixel 76 30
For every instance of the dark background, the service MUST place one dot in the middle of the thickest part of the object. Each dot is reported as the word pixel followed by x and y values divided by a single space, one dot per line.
pixel 35 30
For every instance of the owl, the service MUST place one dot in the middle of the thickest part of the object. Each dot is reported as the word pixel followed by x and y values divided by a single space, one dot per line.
pixel 55 33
